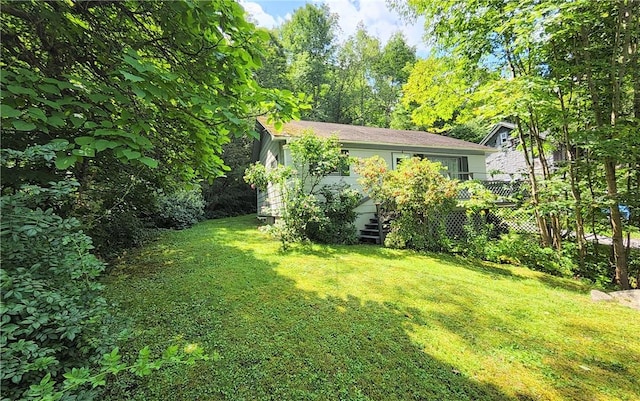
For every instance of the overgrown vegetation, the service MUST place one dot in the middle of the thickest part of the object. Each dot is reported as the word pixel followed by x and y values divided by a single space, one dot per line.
pixel 417 195
pixel 181 209
pixel 310 211
pixel 364 323
pixel 54 340
pixel 107 122
pixel 566 74
pixel 356 82
pixel 137 120
pixel 230 195
pixel 52 310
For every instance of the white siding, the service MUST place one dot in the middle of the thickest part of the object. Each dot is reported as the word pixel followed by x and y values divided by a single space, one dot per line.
pixel 273 150
pixel 269 201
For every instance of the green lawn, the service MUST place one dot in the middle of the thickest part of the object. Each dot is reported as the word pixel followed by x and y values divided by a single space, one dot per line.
pixel 364 323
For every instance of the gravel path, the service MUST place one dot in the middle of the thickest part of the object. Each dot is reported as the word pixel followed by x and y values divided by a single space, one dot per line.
pixel 635 243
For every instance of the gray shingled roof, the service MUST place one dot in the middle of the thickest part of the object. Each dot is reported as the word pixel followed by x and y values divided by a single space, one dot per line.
pixel 372 135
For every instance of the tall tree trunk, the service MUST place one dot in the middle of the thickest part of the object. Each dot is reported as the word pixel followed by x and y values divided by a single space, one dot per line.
pixel 555 225
pixel 617 72
pixel 573 181
pixel 619 253
pixel 541 222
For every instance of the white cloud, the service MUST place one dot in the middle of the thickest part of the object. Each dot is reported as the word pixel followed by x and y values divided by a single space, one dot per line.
pixel 379 20
pixel 259 16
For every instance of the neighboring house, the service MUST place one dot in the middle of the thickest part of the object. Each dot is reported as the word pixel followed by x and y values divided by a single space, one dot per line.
pixel 509 163
pixel 464 160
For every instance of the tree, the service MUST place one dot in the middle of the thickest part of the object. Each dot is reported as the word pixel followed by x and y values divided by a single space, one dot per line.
pixel 309 42
pixel 471 132
pixel 142 94
pixel 115 100
pixel 325 213
pixel 273 71
pixel 391 72
pixel 572 71
pixel 358 57
pixel 168 76
pixel 437 90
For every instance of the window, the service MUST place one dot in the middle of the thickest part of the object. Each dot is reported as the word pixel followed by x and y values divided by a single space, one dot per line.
pixel 398 158
pixel 343 170
pixel 457 167
pixel 504 138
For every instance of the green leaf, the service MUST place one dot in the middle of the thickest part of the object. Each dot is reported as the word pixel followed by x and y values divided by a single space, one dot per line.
pixel 142 141
pixel 102 144
pixel 62 142
pixel 139 92
pixel 84 152
pixel 131 154
pixel 109 132
pixel 19 90
pixel 76 121
pixel 134 63
pixel 7 111
pixel 23 125
pixel 64 161
pixel 131 77
pixel 48 88
pixel 84 140
pixel 37 114
pixel 53 105
pixel 149 162
pixel 56 121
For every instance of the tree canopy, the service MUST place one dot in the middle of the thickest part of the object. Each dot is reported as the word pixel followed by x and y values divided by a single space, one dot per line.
pixel 567 73
pixel 133 82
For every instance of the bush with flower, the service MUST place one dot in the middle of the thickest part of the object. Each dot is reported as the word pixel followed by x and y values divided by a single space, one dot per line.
pixel 311 211
pixel 417 195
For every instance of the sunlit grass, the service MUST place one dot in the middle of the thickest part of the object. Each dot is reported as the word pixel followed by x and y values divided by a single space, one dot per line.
pixel 364 322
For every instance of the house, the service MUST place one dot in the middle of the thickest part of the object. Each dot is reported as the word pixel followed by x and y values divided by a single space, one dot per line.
pixel 508 163
pixel 464 160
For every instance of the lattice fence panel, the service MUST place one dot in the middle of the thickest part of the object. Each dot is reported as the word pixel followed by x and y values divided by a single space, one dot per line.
pixel 514 219
pixel 504 218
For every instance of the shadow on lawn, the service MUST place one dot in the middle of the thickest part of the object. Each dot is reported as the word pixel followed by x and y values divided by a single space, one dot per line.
pixel 278 342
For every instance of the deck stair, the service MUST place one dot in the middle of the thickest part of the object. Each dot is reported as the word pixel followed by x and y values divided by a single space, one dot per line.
pixel 371 233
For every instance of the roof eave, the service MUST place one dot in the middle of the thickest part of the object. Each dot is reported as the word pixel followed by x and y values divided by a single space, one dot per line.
pixel 495 129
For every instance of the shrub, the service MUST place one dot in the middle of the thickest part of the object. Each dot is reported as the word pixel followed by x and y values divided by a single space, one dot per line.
pixel 336 226
pixel 121 229
pixel 418 195
pixel 51 303
pixel 229 195
pixel 477 237
pixel 54 340
pixel 324 215
pixel 526 251
pixel 180 209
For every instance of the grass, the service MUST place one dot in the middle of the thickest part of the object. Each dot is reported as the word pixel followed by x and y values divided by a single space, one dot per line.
pixel 364 323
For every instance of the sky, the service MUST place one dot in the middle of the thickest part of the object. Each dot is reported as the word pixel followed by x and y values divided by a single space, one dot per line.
pixel 379 19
